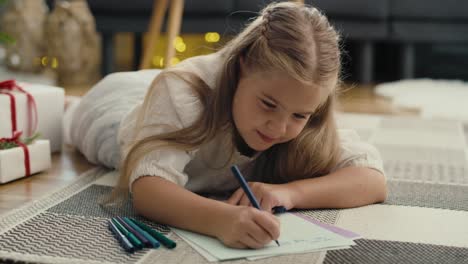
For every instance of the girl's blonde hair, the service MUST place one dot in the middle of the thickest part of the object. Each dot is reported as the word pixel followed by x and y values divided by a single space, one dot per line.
pixel 287 37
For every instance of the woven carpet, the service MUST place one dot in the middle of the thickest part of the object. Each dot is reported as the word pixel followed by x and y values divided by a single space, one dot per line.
pixel 424 219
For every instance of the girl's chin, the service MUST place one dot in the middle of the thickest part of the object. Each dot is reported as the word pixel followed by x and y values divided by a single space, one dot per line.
pixel 259 146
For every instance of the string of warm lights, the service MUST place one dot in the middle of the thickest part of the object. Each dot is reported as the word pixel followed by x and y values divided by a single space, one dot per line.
pixel 199 44
pixel 186 46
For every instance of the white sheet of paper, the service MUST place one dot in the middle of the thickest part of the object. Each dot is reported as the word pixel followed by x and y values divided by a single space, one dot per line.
pixel 200 250
pixel 312 251
pixel 297 236
pixel 212 258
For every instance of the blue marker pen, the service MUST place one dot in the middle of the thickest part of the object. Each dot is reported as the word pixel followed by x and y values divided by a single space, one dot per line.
pixel 121 238
pixel 235 170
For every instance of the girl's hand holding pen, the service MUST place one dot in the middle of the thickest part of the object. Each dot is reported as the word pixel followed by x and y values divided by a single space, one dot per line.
pixel 268 196
pixel 248 227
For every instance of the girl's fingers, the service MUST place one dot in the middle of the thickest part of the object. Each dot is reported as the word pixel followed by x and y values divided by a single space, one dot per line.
pixel 239 198
pixel 251 242
pixel 244 200
pixel 259 234
pixel 235 197
pixel 269 223
pixel 266 205
pixel 238 244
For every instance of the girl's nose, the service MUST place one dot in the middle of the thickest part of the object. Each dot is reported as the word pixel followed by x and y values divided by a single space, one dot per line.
pixel 278 125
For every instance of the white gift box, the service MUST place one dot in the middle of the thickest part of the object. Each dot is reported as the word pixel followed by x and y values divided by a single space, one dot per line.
pixel 50 103
pixel 12 165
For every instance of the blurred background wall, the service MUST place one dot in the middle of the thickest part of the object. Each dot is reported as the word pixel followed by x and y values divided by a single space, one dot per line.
pixel 383 40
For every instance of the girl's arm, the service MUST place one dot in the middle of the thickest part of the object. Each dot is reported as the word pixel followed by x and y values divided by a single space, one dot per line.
pixel 357 179
pixel 344 188
pixel 167 203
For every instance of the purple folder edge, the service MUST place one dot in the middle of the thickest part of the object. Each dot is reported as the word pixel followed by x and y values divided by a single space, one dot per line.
pixel 337 230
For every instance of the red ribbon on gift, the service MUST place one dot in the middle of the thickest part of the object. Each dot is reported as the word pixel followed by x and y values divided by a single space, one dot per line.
pixel 6 87
pixel 16 139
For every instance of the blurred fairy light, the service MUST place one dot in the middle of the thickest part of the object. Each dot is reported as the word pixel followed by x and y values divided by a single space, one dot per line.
pixel 158 61
pixel 180 44
pixel 175 60
pixel 178 39
pixel 186 46
pixel 212 37
pixel 44 61
pixel 54 63
pixel 181 47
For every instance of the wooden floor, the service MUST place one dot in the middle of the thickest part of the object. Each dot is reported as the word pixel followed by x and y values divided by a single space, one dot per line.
pixel 69 164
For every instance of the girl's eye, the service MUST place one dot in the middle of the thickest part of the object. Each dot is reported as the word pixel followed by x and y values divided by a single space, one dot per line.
pixel 268 104
pixel 298 116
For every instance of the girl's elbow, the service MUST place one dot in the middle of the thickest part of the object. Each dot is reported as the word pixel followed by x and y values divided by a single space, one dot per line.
pixel 138 205
pixel 382 192
pixel 382 196
pixel 138 196
pixel 142 207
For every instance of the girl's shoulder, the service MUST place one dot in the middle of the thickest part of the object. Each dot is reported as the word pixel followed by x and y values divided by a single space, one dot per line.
pixel 206 67
pixel 172 97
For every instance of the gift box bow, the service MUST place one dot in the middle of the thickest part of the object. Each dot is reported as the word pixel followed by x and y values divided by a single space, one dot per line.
pixel 15 140
pixel 6 88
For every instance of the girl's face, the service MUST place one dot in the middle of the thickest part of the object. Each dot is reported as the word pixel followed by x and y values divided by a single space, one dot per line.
pixel 272 108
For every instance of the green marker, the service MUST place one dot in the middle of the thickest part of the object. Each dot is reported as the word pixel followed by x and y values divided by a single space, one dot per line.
pixel 159 236
pixel 154 243
pixel 135 241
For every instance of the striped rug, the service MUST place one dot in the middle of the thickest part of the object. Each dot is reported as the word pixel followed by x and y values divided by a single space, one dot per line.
pixel 424 219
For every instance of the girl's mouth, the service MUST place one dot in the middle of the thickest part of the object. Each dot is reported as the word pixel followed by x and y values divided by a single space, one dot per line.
pixel 265 138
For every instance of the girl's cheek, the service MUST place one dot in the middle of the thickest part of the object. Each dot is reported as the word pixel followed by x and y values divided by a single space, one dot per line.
pixel 296 130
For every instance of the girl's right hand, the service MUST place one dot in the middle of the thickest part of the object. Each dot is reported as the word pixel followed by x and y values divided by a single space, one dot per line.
pixel 248 227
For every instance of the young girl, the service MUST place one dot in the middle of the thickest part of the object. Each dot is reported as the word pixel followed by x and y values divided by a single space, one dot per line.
pixel 263 102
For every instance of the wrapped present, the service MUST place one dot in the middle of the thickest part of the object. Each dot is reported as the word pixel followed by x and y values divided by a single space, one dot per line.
pixel 32 107
pixel 17 159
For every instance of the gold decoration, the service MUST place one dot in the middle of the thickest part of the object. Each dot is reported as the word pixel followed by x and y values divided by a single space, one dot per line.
pixel 73 43
pixel 23 22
